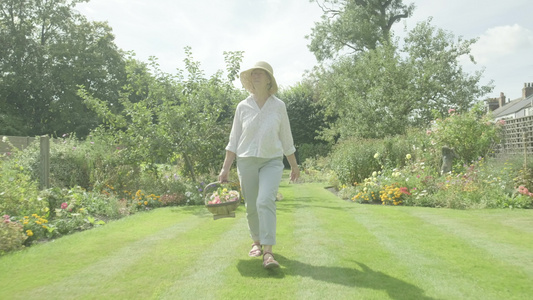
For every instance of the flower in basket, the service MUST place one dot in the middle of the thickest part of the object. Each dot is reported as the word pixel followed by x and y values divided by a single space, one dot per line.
pixel 223 195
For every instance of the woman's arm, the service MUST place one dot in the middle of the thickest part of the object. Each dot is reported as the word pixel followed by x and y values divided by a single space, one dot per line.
pixel 228 161
pixel 295 171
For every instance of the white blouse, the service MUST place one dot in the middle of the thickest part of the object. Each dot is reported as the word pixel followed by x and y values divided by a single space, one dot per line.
pixel 261 132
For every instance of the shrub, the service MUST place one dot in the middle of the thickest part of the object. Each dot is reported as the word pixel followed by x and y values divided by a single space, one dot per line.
pixel 18 192
pixel 471 134
pixel 368 191
pixel 37 227
pixel 312 151
pixel 353 160
pixel 12 236
pixel 356 159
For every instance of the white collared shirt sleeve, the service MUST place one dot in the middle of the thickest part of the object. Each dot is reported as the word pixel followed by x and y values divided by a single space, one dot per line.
pixel 264 133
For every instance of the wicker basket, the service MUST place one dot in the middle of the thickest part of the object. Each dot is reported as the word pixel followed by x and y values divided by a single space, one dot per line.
pixel 224 209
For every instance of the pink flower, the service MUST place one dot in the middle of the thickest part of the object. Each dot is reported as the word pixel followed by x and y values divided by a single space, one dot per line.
pixel 451 110
pixel 6 219
pixel 64 205
pixel 404 190
pixel 524 191
pixel 428 132
pixel 501 122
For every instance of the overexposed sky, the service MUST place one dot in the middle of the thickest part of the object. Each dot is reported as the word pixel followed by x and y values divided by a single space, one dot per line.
pixel 274 31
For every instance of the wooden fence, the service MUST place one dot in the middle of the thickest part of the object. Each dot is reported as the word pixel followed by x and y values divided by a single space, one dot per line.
pixel 517 137
pixel 8 142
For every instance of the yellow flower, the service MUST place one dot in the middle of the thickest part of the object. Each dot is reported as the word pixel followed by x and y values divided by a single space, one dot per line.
pixel 29 232
pixel 145 202
pixel 408 156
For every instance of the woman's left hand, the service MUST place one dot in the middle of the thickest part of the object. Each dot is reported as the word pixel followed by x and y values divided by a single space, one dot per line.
pixel 295 174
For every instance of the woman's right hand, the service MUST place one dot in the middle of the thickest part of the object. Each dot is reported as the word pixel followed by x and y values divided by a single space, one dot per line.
pixel 223 176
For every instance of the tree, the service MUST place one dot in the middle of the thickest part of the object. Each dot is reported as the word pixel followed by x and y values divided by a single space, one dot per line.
pixel 307 119
pixel 384 91
pixel 305 114
pixel 48 49
pixel 171 119
pixel 355 25
pixel 437 80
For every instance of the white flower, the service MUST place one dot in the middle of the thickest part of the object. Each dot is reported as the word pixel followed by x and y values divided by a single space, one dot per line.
pixel 374 174
pixel 376 156
pixel 408 156
pixel 4 139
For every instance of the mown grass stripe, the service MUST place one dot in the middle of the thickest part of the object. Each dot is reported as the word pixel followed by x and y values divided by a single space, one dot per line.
pixel 357 265
pixel 85 282
pixel 248 279
pixel 81 250
pixel 174 261
pixel 442 261
pixel 210 267
pixel 502 242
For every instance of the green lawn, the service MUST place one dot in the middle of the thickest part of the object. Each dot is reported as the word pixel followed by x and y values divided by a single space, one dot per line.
pixel 328 249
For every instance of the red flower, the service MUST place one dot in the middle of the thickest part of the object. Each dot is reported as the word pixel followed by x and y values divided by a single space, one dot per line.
pixel 64 205
pixel 404 190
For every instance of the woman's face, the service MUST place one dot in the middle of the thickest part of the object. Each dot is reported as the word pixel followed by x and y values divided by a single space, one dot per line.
pixel 260 79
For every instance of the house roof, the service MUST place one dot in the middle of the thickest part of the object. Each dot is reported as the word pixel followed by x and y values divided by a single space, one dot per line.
pixel 512 107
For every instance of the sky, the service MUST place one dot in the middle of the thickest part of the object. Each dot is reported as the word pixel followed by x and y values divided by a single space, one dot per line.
pixel 275 30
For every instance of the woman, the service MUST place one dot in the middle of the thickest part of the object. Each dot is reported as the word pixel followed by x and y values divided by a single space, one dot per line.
pixel 259 138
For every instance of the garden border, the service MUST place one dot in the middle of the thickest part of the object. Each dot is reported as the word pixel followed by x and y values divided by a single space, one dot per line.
pixel 21 143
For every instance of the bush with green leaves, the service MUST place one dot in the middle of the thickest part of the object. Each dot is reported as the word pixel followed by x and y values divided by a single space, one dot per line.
pixel 471 135
pixel 12 235
pixel 353 160
pixel 81 210
pixel 19 193
pixel 311 151
pixel 170 119
pixel 38 227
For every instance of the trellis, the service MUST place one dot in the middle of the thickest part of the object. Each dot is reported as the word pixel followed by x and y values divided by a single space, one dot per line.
pixel 517 137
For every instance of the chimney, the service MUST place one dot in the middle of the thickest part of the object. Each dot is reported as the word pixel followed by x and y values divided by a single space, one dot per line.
pixel 527 90
pixel 501 100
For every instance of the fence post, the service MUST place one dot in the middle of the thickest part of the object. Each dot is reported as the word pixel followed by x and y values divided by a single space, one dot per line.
pixel 45 162
pixel 524 139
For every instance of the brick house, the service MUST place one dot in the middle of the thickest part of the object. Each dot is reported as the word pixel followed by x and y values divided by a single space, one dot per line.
pixel 502 108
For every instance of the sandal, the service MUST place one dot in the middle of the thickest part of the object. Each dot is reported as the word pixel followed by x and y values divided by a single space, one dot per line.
pixel 270 262
pixel 256 250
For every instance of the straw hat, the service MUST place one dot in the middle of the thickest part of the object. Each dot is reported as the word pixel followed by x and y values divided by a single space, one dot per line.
pixel 246 77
